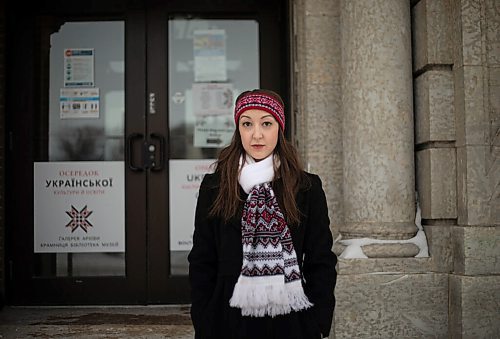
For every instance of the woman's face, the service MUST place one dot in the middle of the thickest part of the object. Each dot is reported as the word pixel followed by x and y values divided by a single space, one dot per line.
pixel 259 133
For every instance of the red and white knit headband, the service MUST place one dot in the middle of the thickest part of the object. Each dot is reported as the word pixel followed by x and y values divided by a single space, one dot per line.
pixel 262 102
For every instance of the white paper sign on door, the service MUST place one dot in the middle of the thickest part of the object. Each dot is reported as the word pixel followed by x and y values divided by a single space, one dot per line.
pixel 185 181
pixel 79 103
pixel 209 47
pixel 79 207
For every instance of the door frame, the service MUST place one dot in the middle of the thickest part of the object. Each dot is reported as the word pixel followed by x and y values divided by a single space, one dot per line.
pixel 147 277
pixel 272 37
pixel 27 105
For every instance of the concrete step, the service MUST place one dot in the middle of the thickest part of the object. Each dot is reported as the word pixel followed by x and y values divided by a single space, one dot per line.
pixel 96 322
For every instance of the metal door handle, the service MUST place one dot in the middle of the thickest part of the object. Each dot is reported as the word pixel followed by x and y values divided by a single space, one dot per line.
pixel 158 165
pixel 129 154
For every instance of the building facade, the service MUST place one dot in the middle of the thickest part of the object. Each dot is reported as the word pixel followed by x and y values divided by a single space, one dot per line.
pixel 394 103
pixel 406 92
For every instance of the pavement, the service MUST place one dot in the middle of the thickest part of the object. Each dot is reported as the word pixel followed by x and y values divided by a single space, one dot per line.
pixel 164 321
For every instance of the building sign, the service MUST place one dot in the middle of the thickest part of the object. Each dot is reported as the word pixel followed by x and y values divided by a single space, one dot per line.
pixel 185 181
pixel 79 207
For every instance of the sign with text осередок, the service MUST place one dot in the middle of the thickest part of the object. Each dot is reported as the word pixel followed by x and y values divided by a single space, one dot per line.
pixel 79 207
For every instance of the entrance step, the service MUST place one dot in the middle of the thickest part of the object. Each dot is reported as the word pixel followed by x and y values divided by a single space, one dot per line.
pixel 96 322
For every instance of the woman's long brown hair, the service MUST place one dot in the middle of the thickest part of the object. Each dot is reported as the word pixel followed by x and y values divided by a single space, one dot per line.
pixel 287 177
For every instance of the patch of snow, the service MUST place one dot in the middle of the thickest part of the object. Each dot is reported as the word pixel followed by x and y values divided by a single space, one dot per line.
pixel 354 250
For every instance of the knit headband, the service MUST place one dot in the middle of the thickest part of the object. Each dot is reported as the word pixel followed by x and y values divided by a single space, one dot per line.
pixel 262 102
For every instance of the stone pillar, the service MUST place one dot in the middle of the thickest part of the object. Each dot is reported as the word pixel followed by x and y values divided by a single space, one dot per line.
pixel 379 188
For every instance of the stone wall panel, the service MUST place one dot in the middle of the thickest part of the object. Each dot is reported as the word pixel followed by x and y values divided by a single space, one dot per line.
pixel 434 110
pixel 440 247
pixel 476 250
pixel 477 186
pixel 392 306
pixel 492 29
pixel 471 34
pixel 436 183
pixel 472 118
pixel 322 55
pixel 432 44
pixel 474 306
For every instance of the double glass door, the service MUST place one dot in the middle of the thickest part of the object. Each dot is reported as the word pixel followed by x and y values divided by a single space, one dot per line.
pixel 130 112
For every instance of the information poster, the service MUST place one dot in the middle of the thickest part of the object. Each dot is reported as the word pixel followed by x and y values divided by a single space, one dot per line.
pixel 213 131
pixel 79 103
pixel 212 99
pixel 78 67
pixel 185 181
pixel 79 207
pixel 209 48
pixel 213 110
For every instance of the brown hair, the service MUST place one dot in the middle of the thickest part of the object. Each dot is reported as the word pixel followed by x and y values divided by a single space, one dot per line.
pixel 287 177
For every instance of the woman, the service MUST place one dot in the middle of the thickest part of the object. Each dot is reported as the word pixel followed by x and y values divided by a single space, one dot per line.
pixel 261 265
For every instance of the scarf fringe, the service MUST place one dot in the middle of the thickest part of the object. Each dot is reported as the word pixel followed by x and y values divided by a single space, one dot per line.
pixel 261 296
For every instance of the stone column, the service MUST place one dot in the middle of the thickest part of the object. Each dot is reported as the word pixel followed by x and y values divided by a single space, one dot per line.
pixel 379 188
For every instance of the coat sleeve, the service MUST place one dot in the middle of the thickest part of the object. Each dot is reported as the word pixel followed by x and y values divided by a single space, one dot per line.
pixel 203 257
pixel 319 260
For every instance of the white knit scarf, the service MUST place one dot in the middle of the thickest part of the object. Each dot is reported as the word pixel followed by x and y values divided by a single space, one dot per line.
pixel 270 280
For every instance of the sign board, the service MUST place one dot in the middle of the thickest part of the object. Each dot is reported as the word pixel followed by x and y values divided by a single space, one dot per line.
pixel 79 207
pixel 185 181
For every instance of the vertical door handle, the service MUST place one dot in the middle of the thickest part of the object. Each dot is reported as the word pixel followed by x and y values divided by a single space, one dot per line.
pixel 160 163
pixel 129 154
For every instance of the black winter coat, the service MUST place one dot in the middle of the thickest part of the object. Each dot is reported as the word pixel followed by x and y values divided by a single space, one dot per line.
pixel 216 258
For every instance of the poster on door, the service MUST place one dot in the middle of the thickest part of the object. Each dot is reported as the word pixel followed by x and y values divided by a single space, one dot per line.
pixel 185 181
pixel 209 48
pixel 79 207
pixel 78 67
pixel 79 103
pixel 213 109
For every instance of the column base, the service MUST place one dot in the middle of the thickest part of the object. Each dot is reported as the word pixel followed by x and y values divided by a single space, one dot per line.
pixel 379 230
pixel 390 250
pixel 407 250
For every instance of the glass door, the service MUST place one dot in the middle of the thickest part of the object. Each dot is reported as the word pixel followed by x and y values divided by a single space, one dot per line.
pixel 84 174
pixel 200 58
pixel 77 148
pixel 115 114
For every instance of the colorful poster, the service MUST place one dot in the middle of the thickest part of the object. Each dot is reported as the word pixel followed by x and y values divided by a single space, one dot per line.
pixel 78 67
pixel 79 207
pixel 209 48
pixel 79 103
pixel 185 181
